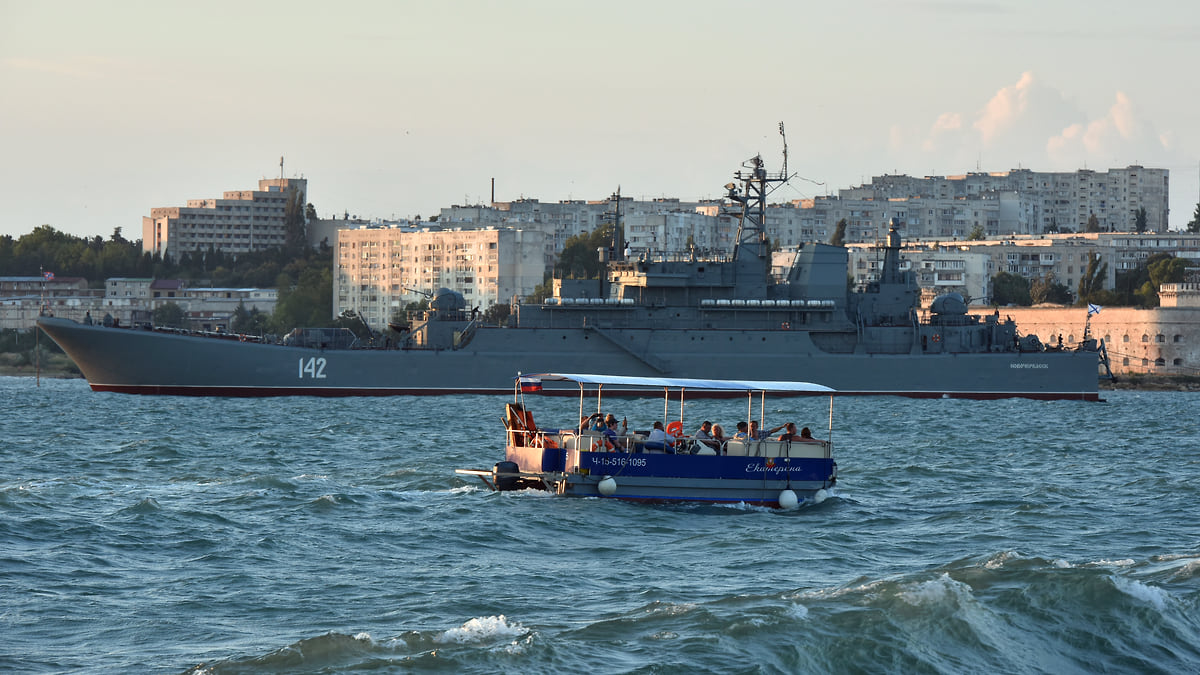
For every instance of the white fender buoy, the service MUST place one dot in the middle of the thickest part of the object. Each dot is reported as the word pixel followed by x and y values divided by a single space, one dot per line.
pixel 607 486
pixel 820 496
pixel 788 500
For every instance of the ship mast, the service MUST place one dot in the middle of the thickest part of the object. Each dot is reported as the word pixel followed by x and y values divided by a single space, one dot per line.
pixel 756 184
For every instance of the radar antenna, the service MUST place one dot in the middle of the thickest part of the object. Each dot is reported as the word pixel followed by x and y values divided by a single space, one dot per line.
pixel 756 184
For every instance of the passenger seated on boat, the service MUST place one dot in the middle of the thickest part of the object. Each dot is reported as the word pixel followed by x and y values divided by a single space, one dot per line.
pixel 704 435
pixel 806 434
pixel 719 437
pixel 742 433
pixel 660 439
pixel 590 423
pixel 789 433
pixel 612 439
pixel 757 434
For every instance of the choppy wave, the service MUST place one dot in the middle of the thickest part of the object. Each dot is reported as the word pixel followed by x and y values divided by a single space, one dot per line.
pixel 161 534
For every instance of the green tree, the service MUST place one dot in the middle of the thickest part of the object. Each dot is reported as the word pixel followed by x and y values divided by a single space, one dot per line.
pixel 305 303
pixel 1093 224
pixel 497 313
pixel 1139 220
pixel 541 292
pixel 579 258
pixel 1048 289
pixel 977 233
pixel 1194 224
pixel 169 314
pixel 839 234
pixel 1093 278
pixel 1170 270
pixel 249 322
pixel 1010 289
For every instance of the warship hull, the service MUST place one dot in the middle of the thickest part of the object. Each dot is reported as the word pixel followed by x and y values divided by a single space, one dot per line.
pixel 139 361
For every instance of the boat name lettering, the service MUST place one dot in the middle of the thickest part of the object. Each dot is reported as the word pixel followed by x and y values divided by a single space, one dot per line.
pixel 763 468
pixel 618 460
pixel 1040 366
pixel 314 367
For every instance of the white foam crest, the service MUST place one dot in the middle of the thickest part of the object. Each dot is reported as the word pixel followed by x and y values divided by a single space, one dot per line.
pixel 480 629
pixel 934 590
pixel 1126 562
pixel 672 609
pixel 1151 595
pixel 364 637
pixel 997 561
pixel 797 611
pixel 1062 564
pixel 518 647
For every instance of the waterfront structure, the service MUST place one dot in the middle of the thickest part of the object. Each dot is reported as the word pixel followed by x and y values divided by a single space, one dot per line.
pixel 1159 341
pixel 379 270
pixel 239 222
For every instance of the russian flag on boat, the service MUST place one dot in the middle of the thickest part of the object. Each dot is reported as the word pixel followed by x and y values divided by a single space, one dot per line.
pixel 530 385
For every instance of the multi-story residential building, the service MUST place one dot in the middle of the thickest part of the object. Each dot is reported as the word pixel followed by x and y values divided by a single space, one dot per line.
pixel 1000 204
pixel 239 222
pixel 133 300
pixel 379 270
pixel 941 265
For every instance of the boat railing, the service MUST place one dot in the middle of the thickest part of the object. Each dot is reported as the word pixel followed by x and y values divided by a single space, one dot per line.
pixel 814 449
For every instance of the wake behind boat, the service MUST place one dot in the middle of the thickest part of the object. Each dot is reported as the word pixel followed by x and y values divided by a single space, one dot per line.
pixel 659 465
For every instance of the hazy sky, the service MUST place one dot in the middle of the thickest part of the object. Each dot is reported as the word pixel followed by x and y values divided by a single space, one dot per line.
pixel 394 108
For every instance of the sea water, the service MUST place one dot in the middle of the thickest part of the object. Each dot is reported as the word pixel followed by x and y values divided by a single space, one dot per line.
pixel 306 535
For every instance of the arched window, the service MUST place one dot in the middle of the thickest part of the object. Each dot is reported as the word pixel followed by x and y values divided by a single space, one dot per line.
pixel 1178 338
pixel 1160 338
pixel 1177 362
pixel 1145 338
pixel 1125 361
pixel 1124 338
pixel 1160 362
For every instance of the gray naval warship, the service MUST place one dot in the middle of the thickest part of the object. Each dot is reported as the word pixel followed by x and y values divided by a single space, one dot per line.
pixel 689 316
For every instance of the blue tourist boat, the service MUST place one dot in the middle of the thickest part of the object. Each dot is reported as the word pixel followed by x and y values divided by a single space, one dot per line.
pixel 780 472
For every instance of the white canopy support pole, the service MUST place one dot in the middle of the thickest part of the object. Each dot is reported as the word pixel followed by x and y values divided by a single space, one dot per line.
pixel 831 420
pixel 681 406
pixel 599 395
pixel 579 424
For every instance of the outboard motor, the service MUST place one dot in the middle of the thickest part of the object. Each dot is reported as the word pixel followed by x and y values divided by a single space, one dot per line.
pixel 506 483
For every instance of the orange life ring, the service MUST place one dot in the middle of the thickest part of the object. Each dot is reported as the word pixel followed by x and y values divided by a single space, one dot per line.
pixel 937 337
pixel 675 428
pixel 601 443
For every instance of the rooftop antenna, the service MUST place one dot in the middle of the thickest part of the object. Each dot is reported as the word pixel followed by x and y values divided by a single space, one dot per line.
pixel 281 170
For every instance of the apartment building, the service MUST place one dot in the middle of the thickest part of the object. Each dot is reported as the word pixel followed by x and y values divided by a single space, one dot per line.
pixel 379 270
pixel 999 204
pixel 239 222
pixel 967 266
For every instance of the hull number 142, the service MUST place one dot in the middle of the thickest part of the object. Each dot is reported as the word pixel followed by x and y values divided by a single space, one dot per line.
pixel 313 367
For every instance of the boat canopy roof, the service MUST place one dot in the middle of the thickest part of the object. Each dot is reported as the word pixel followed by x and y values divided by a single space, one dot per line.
pixel 677 382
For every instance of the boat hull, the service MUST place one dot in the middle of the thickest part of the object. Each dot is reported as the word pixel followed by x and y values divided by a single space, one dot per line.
pixel 151 362
pixel 654 477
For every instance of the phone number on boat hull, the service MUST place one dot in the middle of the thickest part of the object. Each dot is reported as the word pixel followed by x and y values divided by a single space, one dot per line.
pixel 618 461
